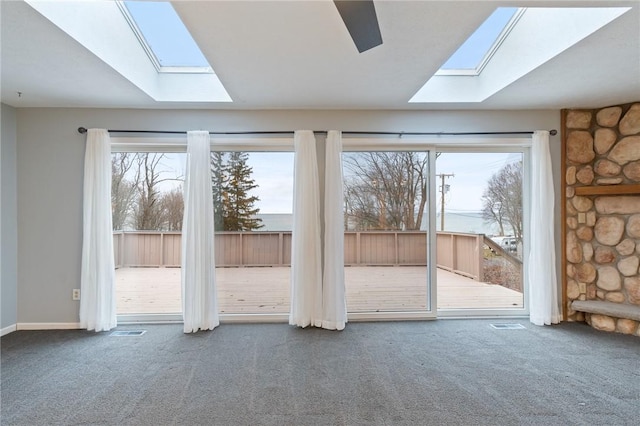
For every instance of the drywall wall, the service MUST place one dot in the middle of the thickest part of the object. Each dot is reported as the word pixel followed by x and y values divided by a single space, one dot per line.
pixel 8 219
pixel 50 172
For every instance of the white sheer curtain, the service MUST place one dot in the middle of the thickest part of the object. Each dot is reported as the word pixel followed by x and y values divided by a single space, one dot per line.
pixel 199 299
pixel 306 268
pixel 543 285
pixel 97 277
pixel 334 312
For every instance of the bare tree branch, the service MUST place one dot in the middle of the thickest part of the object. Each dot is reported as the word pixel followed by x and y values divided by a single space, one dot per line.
pixel 502 199
pixel 385 190
pixel 123 190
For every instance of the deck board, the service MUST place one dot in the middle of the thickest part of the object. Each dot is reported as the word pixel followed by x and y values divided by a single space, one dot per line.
pixel 266 290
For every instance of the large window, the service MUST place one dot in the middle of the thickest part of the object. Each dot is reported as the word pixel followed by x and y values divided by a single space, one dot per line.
pixel 252 194
pixel 427 228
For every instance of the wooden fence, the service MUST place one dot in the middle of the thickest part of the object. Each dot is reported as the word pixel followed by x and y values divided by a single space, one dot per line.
pixel 456 252
pixel 461 253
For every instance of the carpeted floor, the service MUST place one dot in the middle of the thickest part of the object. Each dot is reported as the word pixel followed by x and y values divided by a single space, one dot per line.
pixel 446 372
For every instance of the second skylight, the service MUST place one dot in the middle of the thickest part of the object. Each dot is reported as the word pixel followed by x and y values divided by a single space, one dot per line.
pixel 477 49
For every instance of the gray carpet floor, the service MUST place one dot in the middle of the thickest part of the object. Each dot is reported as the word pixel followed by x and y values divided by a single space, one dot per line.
pixel 446 372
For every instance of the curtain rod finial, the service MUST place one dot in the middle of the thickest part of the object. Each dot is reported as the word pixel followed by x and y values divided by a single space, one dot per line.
pixel 82 130
pixel 553 132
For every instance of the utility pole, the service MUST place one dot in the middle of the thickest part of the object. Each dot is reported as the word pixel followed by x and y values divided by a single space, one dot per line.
pixel 443 190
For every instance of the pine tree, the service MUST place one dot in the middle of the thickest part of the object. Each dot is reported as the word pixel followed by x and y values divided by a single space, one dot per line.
pixel 218 183
pixel 232 183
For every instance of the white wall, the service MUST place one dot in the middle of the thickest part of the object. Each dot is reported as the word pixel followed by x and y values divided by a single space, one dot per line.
pixel 50 164
pixel 8 220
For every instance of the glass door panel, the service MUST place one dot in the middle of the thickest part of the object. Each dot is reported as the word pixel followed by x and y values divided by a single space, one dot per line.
pixel 253 199
pixel 480 237
pixel 386 220
pixel 147 210
pixel 253 215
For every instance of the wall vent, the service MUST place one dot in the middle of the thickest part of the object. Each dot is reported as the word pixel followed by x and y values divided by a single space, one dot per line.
pixel 127 333
pixel 508 326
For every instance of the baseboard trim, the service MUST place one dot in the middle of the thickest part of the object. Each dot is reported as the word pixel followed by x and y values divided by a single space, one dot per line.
pixel 9 329
pixel 149 319
pixel 48 325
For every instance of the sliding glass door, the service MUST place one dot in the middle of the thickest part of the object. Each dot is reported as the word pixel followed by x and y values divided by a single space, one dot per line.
pixel 386 208
pixel 481 232
pixel 253 199
pixel 147 210
pixel 442 230
pixel 428 229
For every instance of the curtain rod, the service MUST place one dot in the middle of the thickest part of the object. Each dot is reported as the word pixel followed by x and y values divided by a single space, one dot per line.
pixel 552 132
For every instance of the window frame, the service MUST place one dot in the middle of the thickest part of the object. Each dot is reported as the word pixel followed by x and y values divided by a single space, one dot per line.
pixel 432 145
pixel 178 144
pixel 448 144
pixel 522 146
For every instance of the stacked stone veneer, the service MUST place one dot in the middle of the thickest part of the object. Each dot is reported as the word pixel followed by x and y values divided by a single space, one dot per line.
pixel 603 232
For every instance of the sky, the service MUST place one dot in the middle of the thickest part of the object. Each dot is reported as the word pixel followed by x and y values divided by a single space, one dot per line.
pixel 472 171
pixel 165 33
pixel 472 51
pixel 273 172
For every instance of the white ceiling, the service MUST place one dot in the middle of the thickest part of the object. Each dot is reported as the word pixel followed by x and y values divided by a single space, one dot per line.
pixel 298 55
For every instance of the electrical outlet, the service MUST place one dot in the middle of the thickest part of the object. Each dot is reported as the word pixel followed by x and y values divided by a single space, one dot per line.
pixel 582 287
pixel 582 217
pixel 76 294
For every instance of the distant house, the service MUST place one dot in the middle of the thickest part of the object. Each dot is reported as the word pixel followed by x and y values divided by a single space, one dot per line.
pixel 275 221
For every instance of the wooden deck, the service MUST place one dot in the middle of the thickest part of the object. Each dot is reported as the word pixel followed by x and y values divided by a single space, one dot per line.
pixel 266 290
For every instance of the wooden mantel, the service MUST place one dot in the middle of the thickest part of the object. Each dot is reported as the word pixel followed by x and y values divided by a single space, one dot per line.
pixel 627 189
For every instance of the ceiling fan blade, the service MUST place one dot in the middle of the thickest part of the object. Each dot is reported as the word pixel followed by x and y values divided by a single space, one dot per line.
pixel 360 18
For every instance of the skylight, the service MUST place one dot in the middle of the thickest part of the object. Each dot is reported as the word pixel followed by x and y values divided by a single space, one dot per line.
pixel 107 30
pixel 164 36
pixel 531 37
pixel 473 54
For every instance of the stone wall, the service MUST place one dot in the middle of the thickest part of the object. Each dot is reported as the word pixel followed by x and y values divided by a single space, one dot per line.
pixel 602 231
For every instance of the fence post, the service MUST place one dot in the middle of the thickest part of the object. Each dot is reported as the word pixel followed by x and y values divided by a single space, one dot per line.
pixel 480 248
pixel 123 254
pixel 397 249
pixel 454 263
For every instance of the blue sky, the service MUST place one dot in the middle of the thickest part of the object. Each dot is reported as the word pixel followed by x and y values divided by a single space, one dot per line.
pixel 166 34
pixel 472 51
